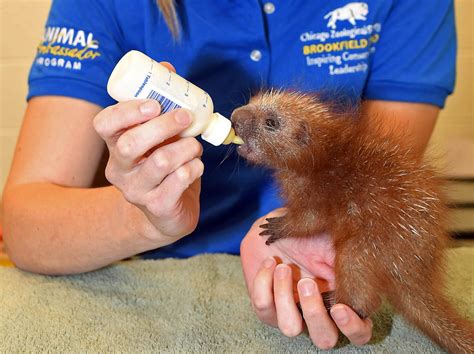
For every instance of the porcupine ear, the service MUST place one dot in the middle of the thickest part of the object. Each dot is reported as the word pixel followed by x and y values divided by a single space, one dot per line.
pixel 303 133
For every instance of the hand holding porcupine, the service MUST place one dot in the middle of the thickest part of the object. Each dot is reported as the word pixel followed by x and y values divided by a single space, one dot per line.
pixel 382 206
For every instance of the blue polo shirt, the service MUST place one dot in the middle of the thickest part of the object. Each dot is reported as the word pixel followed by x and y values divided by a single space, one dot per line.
pixel 399 50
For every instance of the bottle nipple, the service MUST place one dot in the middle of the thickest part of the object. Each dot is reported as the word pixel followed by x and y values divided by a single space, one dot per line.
pixel 232 138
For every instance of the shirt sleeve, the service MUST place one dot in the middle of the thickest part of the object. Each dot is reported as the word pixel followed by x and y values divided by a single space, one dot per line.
pixel 414 60
pixel 78 51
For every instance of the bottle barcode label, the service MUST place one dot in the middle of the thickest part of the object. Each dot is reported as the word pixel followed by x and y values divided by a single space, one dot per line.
pixel 166 104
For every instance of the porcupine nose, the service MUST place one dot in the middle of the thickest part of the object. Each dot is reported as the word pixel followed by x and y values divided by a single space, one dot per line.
pixel 243 120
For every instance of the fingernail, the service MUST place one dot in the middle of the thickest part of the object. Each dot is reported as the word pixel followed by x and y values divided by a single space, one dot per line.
pixel 182 117
pixel 306 287
pixel 340 315
pixel 268 263
pixel 150 107
pixel 281 271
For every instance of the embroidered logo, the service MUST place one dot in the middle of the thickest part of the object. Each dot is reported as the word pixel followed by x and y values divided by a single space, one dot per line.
pixel 350 12
pixel 345 49
pixel 67 48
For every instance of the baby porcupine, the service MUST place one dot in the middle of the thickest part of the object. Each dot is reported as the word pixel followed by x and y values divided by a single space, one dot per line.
pixel 383 207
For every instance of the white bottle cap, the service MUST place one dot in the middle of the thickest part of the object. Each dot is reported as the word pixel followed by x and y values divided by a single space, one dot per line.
pixel 128 75
pixel 218 130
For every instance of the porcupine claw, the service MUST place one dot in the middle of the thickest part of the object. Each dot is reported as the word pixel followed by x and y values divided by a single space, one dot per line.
pixel 273 229
pixel 272 221
pixel 329 299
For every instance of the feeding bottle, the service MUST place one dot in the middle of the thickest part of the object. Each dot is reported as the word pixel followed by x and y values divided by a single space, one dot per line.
pixel 137 76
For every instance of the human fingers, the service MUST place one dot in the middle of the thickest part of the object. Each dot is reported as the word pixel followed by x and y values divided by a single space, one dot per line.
pixel 112 121
pixel 262 293
pixel 139 187
pixel 163 199
pixel 136 141
pixel 168 65
pixel 321 327
pixel 288 315
pixel 356 329
pixel 165 160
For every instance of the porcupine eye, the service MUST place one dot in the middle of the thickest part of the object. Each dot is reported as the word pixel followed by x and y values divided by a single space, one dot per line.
pixel 272 123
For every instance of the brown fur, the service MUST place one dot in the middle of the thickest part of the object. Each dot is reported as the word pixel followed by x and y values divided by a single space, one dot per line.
pixel 382 206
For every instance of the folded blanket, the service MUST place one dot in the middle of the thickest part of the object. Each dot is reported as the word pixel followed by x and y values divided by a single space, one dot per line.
pixel 194 305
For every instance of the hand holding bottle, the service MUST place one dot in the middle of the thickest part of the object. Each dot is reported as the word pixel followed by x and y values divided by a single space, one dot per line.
pixel 154 158
pixel 157 173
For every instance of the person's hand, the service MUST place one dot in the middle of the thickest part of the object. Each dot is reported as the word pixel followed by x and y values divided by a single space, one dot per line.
pixel 292 271
pixel 155 171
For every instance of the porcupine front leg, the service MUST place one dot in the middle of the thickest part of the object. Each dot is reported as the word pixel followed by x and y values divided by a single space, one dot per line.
pixel 293 224
pixel 274 228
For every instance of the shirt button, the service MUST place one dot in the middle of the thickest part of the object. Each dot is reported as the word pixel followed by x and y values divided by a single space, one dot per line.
pixel 255 55
pixel 269 8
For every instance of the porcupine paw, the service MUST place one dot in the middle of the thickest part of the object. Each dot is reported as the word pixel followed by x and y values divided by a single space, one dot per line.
pixel 273 228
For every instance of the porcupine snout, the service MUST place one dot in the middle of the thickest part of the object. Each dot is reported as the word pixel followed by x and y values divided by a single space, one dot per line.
pixel 244 121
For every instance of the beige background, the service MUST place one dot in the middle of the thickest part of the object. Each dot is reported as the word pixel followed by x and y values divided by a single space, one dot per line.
pixel 21 28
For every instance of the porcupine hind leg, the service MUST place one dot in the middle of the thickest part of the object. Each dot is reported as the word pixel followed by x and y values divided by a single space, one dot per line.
pixel 357 283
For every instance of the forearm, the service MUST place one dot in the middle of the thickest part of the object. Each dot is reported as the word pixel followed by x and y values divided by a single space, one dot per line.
pixel 415 121
pixel 56 230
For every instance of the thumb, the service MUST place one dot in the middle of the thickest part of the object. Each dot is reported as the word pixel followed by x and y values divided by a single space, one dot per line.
pixel 168 66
